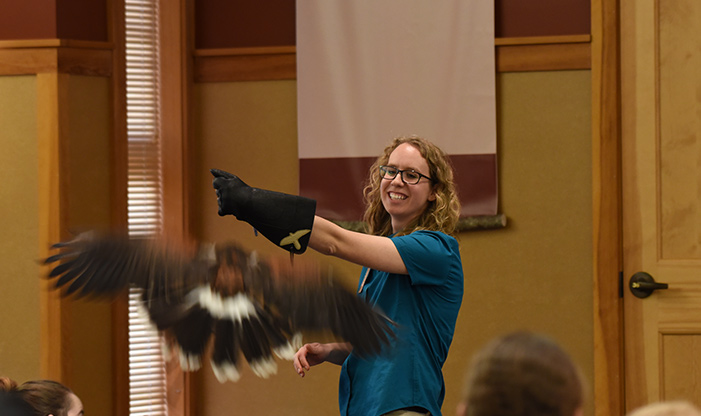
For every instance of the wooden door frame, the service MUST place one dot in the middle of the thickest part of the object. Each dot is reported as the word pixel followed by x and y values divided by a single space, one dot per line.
pixel 176 53
pixel 606 204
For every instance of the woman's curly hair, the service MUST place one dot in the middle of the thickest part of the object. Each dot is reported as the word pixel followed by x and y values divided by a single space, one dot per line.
pixel 440 215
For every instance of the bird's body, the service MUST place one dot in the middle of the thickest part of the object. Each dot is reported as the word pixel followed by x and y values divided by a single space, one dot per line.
pixel 221 300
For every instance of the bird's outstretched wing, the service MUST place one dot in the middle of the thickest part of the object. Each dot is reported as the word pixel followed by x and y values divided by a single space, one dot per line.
pixel 220 300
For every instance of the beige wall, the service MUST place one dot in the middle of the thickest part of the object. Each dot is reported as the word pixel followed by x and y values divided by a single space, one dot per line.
pixel 536 273
pixel 87 139
pixel 19 283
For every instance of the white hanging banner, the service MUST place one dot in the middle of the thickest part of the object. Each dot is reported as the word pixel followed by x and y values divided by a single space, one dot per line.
pixel 368 71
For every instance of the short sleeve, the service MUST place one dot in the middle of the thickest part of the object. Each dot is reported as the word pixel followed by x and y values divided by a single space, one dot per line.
pixel 430 257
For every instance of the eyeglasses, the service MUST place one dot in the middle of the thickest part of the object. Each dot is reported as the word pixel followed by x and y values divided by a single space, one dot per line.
pixel 409 176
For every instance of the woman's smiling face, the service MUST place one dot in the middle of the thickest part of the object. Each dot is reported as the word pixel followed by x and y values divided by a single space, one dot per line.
pixel 405 202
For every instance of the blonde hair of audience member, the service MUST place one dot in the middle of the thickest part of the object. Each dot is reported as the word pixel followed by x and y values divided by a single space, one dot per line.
pixel 46 397
pixel 671 408
pixel 522 374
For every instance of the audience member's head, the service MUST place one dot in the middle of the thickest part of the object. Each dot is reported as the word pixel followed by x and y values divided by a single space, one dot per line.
pixel 46 397
pixel 671 408
pixel 11 404
pixel 522 374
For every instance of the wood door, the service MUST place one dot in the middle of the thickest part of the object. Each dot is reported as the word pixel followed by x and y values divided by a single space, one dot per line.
pixel 661 185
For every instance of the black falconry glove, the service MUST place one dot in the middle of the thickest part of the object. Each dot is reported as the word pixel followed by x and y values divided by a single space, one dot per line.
pixel 284 219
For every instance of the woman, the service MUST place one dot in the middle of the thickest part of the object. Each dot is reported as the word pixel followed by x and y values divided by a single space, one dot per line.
pixel 411 270
pixel 46 397
pixel 522 374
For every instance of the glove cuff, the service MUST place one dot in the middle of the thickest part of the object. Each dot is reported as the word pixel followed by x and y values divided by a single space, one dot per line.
pixel 286 220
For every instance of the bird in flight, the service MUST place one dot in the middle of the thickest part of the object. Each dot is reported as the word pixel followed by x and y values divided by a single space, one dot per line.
pixel 219 299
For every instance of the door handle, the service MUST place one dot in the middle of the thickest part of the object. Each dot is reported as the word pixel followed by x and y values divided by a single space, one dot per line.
pixel 642 285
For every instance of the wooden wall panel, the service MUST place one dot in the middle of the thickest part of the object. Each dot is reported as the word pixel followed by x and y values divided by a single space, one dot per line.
pixel 88 175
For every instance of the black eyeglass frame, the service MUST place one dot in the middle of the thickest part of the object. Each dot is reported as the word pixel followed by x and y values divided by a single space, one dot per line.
pixel 400 172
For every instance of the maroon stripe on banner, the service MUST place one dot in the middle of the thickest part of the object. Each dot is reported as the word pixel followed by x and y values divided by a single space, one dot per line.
pixel 337 185
pixel 476 180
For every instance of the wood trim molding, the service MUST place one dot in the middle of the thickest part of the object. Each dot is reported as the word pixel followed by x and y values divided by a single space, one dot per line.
pixel 543 57
pixel 545 53
pixel 52 90
pixel 245 64
pixel 606 210
pixel 542 40
pixel 264 50
pixel 55 56
pixel 53 43
pixel 120 308
pixel 177 43
pixel 176 49
pixel 26 57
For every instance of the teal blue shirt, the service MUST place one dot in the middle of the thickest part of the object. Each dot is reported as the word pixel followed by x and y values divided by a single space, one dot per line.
pixel 425 305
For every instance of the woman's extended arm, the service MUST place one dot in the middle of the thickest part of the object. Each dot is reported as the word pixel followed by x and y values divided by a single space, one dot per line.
pixel 371 251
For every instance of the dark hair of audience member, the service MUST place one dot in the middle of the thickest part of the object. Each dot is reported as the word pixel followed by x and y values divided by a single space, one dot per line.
pixel 522 374
pixel 11 403
pixel 46 397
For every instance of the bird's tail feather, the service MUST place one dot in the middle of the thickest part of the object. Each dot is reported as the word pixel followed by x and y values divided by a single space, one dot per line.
pixel 256 347
pixel 192 334
pixel 225 354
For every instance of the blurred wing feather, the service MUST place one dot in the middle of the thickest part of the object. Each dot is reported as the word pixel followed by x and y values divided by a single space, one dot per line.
pixel 93 264
pixel 231 301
